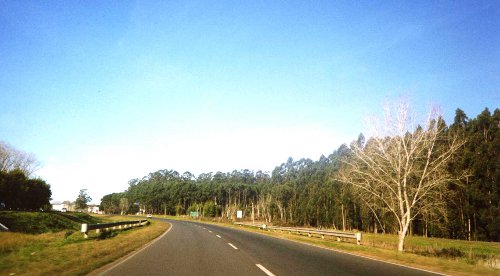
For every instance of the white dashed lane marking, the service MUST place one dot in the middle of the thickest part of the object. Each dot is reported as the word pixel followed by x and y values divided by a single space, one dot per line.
pixel 269 273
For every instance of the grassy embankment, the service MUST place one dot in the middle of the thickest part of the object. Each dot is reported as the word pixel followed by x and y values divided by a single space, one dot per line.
pixel 60 248
pixel 455 257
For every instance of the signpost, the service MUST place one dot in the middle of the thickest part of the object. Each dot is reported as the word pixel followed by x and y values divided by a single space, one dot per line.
pixel 239 214
pixel 194 214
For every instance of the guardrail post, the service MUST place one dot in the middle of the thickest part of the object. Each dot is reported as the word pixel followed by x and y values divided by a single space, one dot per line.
pixel 358 238
pixel 3 227
pixel 85 230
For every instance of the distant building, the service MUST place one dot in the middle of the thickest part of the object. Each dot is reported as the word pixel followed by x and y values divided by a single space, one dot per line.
pixel 94 209
pixel 63 206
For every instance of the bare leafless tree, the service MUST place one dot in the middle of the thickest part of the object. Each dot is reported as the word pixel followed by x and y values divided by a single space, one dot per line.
pixel 11 159
pixel 402 165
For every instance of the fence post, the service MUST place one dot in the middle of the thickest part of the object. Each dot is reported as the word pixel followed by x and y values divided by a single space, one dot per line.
pixel 358 238
pixel 85 230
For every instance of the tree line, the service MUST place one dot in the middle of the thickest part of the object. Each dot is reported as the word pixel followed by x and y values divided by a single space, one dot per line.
pixel 432 179
pixel 18 190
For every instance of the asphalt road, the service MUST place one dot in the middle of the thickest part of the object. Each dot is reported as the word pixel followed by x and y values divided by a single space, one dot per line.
pixel 191 248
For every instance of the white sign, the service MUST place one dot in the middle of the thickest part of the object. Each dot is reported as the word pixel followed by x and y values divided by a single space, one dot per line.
pixel 239 214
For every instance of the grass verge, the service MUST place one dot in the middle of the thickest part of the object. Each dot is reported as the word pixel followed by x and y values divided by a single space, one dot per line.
pixel 67 252
pixel 42 222
pixel 446 256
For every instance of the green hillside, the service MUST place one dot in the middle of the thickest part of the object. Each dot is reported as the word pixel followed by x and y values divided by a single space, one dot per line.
pixel 42 222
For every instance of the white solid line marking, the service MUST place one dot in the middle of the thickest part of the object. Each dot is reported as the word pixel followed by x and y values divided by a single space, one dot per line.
pixel 128 257
pixel 360 256
pixel 265 270
pixel 218 236
pixel 232 245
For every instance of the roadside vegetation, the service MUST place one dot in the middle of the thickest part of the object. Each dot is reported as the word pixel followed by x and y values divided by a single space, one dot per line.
pixel 43 222
pixel 18 189
pixel 439 255
pixel 67 252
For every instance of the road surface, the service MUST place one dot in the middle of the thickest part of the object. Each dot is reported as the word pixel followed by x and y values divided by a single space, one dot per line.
pixel 191 248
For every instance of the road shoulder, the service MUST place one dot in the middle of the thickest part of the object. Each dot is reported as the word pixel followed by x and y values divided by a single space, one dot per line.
pixel 103 269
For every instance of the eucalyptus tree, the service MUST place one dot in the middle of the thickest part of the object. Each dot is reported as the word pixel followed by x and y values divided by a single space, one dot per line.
pixel 483 186
pixel 82 199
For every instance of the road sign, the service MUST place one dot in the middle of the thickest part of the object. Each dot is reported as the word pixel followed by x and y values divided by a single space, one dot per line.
pixel 194 214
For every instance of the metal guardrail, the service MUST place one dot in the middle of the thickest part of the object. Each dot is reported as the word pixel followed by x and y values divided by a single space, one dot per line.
pixel 3 228
pixel 309 231
pixel 113 225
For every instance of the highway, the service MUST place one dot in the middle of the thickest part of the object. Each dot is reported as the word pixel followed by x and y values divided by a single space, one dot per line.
pixel 191 248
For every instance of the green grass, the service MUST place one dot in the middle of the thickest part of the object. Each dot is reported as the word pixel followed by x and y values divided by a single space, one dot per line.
pixel 43 222
pixel 470 251
pixel 67 252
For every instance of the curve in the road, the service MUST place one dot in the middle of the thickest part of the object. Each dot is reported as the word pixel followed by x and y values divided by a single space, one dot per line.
pixel 192 248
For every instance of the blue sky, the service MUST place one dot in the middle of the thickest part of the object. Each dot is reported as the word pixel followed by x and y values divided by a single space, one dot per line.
pixel 106 91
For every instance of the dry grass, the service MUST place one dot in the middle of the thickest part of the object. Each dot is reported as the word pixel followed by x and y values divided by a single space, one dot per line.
pixel 68 253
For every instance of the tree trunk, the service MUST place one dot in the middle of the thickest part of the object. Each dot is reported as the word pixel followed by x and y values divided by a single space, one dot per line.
pixel 469 231
pixel 280 208
pixel 253 214
pixel 343 217
pixel 401 241
pixel 426 234
pixel 403 230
